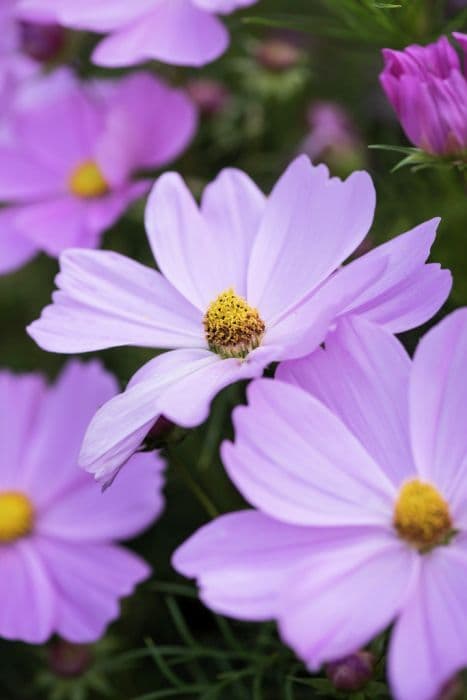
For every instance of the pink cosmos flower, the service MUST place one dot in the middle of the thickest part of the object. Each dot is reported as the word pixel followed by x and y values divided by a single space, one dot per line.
pixel 60 571
pixel 358 471
pixel 69 171
pixel 246 280
pixel 181 32
pixel 427 87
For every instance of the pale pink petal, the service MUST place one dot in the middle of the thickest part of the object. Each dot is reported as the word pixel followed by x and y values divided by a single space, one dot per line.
pixel 301 329
pixel 97 15
pixel 28 608
pixel 179 385
pixel 243 560
pixel 175 31
pixel 232 205
pixel 180 240
pixel 429 641
pixel 363 377
pixel 153 121
pixel 88 580
pixel 438 404
pixel 189 251
pixel 50 461
pixel 107 300
pixel 23 177
pixel 15 249
pixel 54 225
pixel 341 598
pixel 296 461
pixel 87 514
pixel 21 397
pixel 60 133
pixel 410 292
pixel 309 217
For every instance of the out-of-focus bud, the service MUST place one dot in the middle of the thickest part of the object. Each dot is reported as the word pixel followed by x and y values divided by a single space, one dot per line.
pixel 453 690
pixel 277 55
pixel 163 433
pixel 210 96
pixel 68 660
pixel 333 138
pixel 43 42
pixel 352 672
pixel 427 87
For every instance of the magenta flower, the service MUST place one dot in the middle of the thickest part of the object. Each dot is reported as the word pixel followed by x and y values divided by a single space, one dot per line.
pixel 60 571
pixel 360 483
pixel 427 87
pixel 245 281
pixel 70 169
pixel 181 32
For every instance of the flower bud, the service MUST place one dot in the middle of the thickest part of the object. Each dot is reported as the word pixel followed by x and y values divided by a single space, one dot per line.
pixel 69 660
pixel 163 433
pixel 210 96
pixel 454 689
pixel 352 672
pixel 277 55
pixel 43 42
pixel 427 87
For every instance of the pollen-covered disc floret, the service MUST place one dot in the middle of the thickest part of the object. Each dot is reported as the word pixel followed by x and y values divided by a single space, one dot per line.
pixel 16 516
pixel 87 180
pixel 421 516
pixel 233 328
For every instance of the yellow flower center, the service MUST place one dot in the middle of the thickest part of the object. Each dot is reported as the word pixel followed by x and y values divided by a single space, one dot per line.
pixel 88 181
pixel 16 516
pixel 233 328
pixel 422 517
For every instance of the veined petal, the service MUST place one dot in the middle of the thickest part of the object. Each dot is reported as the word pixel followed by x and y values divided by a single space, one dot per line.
pixel 243 560
pixel 332 603
pixel 363 377
pixel 106 300
pixel 179 384
pixel 409 292
pixel 429 641
pixel 175 31
pixel 309 217
pixel 86 514
pixel 88 581
pixel 296 461
pixel 28 605
pixel 438 405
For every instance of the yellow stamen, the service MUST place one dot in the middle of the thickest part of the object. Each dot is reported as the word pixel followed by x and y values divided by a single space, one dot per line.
pixel 233 328
pixel 422 516
pixel 88 181
pixel 16 516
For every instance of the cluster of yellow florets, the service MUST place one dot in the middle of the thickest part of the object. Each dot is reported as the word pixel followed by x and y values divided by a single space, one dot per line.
pixel 421 515
pixel 233 328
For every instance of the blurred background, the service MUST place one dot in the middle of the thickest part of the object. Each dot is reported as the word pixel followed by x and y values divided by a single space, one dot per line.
pixel 300 76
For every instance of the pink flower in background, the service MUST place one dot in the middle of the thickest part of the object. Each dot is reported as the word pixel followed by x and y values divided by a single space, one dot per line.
pixel 359 477
pixel 333 137
pixel 427 87
pixel 60 571
pixel 246 280
pixel 181 32
pixel 69 168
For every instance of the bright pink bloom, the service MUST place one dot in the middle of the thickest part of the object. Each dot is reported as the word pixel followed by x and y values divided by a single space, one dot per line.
pixel 181 32
pixel 60 571
pixel 69 169
pixel 427 87
pixel 246 280
pixel 358 471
